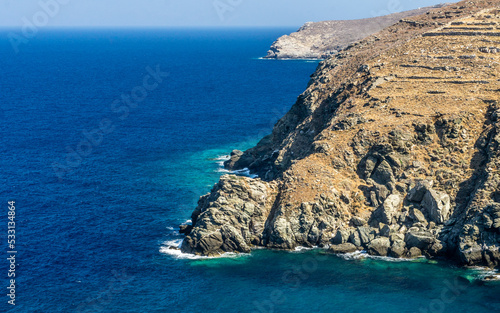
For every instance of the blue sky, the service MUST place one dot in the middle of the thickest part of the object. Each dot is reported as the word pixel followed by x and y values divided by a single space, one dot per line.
pixel 192 13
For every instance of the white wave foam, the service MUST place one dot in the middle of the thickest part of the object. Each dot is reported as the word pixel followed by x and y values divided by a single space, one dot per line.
pixel 364 255
pixel 300 249
pixel 243 172
pixel 485 273
pixel 178 254
pixel 222 158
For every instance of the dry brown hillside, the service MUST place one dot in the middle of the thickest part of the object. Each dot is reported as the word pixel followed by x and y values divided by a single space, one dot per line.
pixel 393 148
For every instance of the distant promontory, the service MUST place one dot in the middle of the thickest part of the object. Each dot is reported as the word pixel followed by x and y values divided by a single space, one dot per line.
pixel 322 39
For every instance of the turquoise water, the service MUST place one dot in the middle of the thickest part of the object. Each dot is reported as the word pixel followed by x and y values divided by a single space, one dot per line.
pixel 95 238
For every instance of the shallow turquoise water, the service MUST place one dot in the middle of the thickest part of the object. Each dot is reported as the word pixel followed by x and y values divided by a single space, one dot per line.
pixel 94 241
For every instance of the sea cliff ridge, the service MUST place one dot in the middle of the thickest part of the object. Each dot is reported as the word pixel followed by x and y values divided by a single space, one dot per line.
pixel 392 149
pixel 319 40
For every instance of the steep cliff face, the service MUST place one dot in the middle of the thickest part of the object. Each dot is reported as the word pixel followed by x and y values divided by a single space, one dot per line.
pixel 318 40
pixel 393 148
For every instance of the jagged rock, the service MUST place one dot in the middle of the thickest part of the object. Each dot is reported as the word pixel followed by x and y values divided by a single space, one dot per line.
pixel 341 237
pixel 418 217
pixel 385 230
pixel 366 234
pixel 365 135
pixel 343 248
pixel 185 229
pixel 370 164
pixel 420 239
pixel 437 206
pixel 379 246
pixel 381 193
pixel 383 174
pixel 397 237
pixel 414 252
pixel 355 239
pixel 417 193
pixel 397 249
pixel 390 208
pixel 358 221
pixel 234 157
pixel 230 217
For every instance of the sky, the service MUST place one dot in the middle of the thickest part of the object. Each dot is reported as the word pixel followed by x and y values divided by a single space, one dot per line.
pixel 193 13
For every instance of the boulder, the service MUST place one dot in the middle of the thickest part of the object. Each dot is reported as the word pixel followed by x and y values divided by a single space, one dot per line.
pixel 379 246
pixel 366 234
pixel 357 221
pixel 341 237
pixel 396 237
pixel 397 249
pixel 420 239
pixel 390 208
pixel 355 239
pixel 385 230
pixel 343 248
pixel 414 252
pixel 437 206
pixel 416 194
pixel 234 157
pixel 418 216
pixel 185 229
pixel 383 174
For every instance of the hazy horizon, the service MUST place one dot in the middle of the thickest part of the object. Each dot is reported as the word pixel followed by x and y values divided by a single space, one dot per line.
pixel 191 13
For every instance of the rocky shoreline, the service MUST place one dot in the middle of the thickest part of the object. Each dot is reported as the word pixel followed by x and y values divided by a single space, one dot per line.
pixel 319 40
pixel 394 149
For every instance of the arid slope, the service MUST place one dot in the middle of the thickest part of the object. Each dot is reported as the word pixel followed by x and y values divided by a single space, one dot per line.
pixel 318 40
pixel 393 148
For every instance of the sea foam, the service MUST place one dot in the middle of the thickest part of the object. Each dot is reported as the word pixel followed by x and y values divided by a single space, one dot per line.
pixel 178 254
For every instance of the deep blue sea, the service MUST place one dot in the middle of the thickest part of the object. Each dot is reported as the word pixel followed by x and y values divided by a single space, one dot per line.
pixel 103 169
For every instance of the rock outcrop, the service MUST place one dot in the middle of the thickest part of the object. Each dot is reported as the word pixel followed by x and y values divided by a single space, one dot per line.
pixel 394 148
pixel 318 40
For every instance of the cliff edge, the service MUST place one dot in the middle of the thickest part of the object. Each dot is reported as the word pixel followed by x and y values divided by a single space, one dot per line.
pixel 393 149
pixel 318 40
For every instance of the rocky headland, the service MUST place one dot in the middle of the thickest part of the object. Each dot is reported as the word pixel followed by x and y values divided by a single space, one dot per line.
pixel 319 40
pixel 392 149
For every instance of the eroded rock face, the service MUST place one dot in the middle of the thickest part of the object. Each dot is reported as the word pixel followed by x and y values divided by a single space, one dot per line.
pixel 230 218
pixel 390 150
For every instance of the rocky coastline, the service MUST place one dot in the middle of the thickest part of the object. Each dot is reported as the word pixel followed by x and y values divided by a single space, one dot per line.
pixel 319 40
pixel 394 149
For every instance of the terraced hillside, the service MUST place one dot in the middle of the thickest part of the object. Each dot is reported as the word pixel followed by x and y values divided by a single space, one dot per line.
pixel 393 149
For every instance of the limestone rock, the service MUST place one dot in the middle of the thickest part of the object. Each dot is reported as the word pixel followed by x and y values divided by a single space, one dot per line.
pixel 366 234
pixel 397 249
pixel 379 246
pixel 390 208
pixel 437 206
pixel 420 239
pixel 414 252
pixel 342 236
pixel 229 218
pixel 343 248
pixel 417 193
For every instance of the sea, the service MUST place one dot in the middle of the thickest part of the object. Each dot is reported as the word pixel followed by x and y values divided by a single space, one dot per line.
pixel 108 139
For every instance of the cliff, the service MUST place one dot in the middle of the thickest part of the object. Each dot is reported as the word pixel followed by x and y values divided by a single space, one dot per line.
pixel 393 149
pixel 322 39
